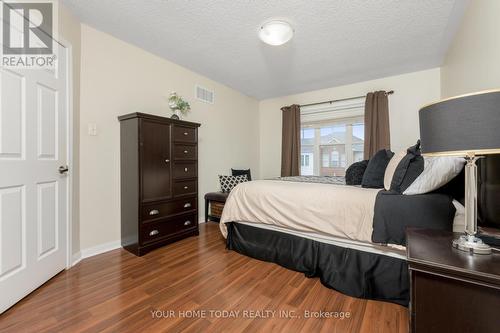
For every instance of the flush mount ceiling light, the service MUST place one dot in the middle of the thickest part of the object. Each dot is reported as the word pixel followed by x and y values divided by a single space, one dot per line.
pixel 276 32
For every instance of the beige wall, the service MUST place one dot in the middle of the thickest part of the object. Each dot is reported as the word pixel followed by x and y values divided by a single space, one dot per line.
pixel 69 30
pixel 472 62
pixel 118 78
pixel 237 131
pixel 412 91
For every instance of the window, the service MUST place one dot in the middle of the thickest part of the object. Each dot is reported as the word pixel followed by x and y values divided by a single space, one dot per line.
pixel 305 160
pixel 306 157
pixel 325 159
pixel 335 159
pixel 332 137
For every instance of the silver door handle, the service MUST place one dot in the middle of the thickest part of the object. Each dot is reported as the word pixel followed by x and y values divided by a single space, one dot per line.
pixel 154 212
pixel 187 223
pixel 154 233
pixel 185 169
pixel 185 187
pixel 187 205
pixel 63 169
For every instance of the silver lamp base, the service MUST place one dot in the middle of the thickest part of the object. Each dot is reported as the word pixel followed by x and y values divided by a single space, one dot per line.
pixel 471 244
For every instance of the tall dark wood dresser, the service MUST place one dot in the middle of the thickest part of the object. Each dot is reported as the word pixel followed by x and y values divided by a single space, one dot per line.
pixel 159 181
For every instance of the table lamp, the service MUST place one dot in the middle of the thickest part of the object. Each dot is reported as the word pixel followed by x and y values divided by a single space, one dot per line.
pixel 466 126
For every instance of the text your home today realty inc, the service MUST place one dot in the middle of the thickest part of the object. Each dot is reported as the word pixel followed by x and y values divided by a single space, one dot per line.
pixel 249 314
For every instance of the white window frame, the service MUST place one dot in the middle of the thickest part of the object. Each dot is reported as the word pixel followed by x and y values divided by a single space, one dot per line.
pixel 348 112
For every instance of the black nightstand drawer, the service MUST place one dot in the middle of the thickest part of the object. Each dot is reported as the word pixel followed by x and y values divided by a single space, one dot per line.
pixel 451 290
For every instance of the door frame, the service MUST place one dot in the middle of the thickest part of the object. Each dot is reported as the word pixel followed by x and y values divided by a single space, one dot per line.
pixel 69 150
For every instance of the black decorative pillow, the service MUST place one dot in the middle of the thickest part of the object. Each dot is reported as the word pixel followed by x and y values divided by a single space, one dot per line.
pixel 410 167
pixel 227 183
pixel 375 171
pixel 235 172
pixel 354 174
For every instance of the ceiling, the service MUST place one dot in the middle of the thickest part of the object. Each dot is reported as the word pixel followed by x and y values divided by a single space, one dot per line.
pixel 336 41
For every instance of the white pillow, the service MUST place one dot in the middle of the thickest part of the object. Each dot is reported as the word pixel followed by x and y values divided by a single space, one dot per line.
pixel 438 171
pixel 391 168
pixel 459 220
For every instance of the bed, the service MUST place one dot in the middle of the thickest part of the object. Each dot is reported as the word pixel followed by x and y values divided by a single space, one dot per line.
pixel 352 238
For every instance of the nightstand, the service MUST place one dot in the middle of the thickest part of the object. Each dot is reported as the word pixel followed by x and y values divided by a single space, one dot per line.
pixel 451 291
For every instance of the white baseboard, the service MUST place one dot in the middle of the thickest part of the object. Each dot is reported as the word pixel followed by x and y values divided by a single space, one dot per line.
pixel 101 248
pixel 76 258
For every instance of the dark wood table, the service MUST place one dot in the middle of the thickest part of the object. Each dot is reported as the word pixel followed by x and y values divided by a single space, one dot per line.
pixel 451 290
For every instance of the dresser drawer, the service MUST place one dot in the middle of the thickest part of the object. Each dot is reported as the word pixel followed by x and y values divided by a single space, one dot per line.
pixel 183 170
pixel 164 209
pixel 154 231
pixel 188 187
pixel 184 134
pixel 185 152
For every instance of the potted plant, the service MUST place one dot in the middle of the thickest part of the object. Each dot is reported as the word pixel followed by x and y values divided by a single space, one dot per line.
pixel 178 105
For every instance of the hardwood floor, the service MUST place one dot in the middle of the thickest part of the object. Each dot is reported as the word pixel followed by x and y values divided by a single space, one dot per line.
pixel 118 292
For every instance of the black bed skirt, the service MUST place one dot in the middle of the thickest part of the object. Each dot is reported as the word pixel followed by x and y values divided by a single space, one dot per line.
pixel 352 272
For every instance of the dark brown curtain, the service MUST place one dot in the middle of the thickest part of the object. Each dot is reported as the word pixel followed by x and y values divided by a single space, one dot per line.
pixel 377 134
pixel 290 142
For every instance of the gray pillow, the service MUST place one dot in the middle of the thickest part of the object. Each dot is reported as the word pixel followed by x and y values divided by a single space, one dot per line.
pixel 375 171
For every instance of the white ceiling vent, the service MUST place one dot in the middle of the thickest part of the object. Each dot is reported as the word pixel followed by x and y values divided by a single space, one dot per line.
pixel 204 94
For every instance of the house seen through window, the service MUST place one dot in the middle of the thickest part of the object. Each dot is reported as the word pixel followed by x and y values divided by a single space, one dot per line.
pixel 332 137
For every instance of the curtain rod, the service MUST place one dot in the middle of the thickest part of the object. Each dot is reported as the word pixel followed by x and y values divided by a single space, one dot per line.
pixel 390 92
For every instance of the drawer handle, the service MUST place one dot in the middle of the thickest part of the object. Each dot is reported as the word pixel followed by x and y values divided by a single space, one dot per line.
pixel 187 205
pixel 154 232
pixel 185 169
pixel 154 212
pixel 187 223
pixel 167 161
pixel 185 152
pixel 186 133
pixel 186 187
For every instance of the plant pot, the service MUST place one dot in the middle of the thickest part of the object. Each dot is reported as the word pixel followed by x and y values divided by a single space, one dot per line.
pixel 176 115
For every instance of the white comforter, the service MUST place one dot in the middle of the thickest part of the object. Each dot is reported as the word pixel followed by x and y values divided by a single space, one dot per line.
pixel 332 210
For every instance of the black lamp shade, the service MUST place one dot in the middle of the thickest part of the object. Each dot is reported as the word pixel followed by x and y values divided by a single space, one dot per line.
pixel 461 125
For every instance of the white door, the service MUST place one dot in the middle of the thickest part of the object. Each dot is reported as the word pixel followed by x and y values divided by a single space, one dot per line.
pixel 33 193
